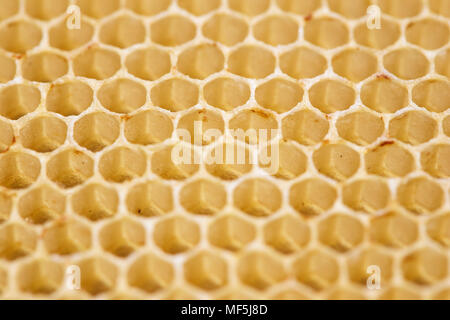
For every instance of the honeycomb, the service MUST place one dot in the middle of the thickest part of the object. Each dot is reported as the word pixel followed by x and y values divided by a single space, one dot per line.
pixel 88 124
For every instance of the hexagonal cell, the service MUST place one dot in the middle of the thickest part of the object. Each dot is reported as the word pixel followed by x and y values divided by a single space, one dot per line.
pixel 257 197
pixel 341 232
pixel 287 234
pixel 433 95
pixel 70 168
pixel 122 95
pixel 42 204
pixel 303 7
pixel 199 7
pixel 252 62
pixel 63 38
pixel 69 98
pixel 442 62
pixel 148 64
pixel 359 263
pixel 399 293
pixel 150 273
pixel 122 237
pixel 149 199
pixel 175 94
pixel 326 32
pixel 40 276
pixel 206 270
pixel 7 138
pixel 20 36
pixel 305 126
pixel 98 9
pixel 228 161
pixel 337 161
pixel 316 269
pixel 95 202
pixel 201 61
pixel 7 69
pixel 279 95
pixel 387 35
pixel 44 67
pixel 172 31
pixel 203 197
pixel 302 62
pixel 389 160
pixel 349 9
pixel 406 63
pixel 199 123
pixel 440 7
pixel 122 164
pixel 253 126
pixel 67 237
pixel 99 275
pixel 8 8
pixel 43 134
pixel 331 95
pixel 6 205
pixel 384 95
pixel 249 7
pixel 226 29
pixel 437 34
pixel 97 130
pixel 413 127
pixel 360 127
pixel 355 64
pixel 276 30
pixel 226 93
pixel 420 195
pixel 368 195
pixel 436 160
pixel 425 266
pixel 175 162
pixel 438 228
pixel 96 63
pixel 401 8
pixel 147 7
pixel 148 127
pixel 176 234
pixel 45 9
pixel 394 230
pixel 122 32
pixel 283 160
pixel 18 100
pixel 312 196
pixel 231 232
pixel 18 170
pixel 16 241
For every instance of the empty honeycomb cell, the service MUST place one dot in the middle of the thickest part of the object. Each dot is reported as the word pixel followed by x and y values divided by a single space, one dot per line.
pixel 399 293
pixel 257 197
pixel 122 237
pixel 148 127
pixel 165 164
pixel 147 7
pixel 341 232
pixel 206 270
pixel 6 205
pixel 17 241
pixel 63 38
pixel 276 30
pixel 388 34
pixel 151 198
pixel 401 8
pixel 394 230
pixel 122 164
pixel 42 204
pixel 70 168
pixel 355 64
pixel 66 237
pixel 425 266
pixel 226 29
pixel 260 270
pixel 122 95
pixel 148 64
pixel 95 202
pixel 279 95
pixel 122 32
pixel 40 276
pixel 287 234
pixel 406 63
pixel 438 228
pixel 302 62
pixel 199 7
pixel 349 9
pixel 99 275
pixel 389 160
pixel 326 32
pixel 253 126
pixel 44 67
pixel 6 136
pixel 18 170
pixel 228 161
pixel 368 195
pixel 69 98
pixel 20 36
pixel 8 8
pixel 18 100
pixel 436 160
pixel 45 9
pixel 7 69
pixel 251 62
pixel 305 126
pixel 337 161
pixel 226 93
pixel 420 195
pixel 98 8
pixel 433 95
pixel 173 31
pixel 150 273
pixel 359 263
pixel 312 196
pixel 97 130
pixel 249 7
pixel 201 61
pixel 413 127
pixel 175 94
pixel 198 123
pixel 303 7
pixel 231 232
pixel 384 95
pixel 176 234
pixel 428 33
pixel 202 196
pixel 442 63
pixel 316 269
pixel 96 63
pixel 360 127
pixel 43 134
pixel 331 95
